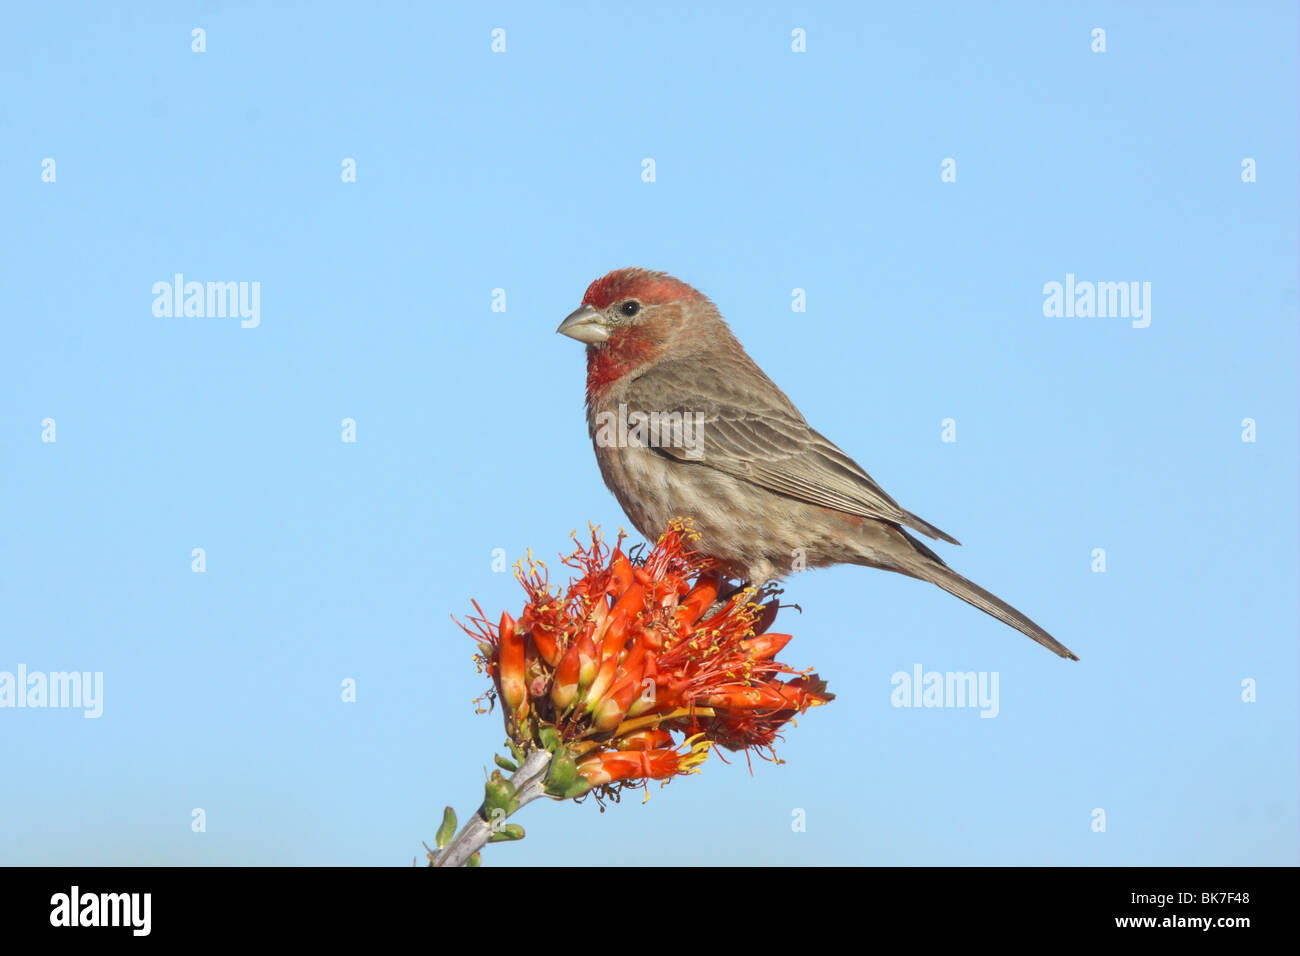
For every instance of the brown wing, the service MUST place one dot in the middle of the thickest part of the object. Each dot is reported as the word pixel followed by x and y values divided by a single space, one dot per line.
pixel 770 445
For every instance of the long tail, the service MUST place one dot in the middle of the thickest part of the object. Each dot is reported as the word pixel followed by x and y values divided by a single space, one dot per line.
pixel 936 572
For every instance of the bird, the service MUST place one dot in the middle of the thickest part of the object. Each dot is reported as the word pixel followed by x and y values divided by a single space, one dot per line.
pixel 686 425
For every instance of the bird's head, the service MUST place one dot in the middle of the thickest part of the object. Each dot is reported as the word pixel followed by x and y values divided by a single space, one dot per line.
pixel 631 318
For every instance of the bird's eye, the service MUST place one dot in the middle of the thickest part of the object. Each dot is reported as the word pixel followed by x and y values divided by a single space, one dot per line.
pixel 630 308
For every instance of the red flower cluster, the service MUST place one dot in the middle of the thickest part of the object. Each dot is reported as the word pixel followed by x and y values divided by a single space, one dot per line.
pixel 635 650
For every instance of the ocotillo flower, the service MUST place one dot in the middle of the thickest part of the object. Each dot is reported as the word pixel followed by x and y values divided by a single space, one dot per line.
pixel 639 648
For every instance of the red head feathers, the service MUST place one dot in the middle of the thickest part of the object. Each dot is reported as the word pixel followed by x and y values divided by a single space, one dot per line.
pixel 653 288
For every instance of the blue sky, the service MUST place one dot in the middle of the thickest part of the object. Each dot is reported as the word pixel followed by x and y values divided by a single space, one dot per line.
pixel 774 170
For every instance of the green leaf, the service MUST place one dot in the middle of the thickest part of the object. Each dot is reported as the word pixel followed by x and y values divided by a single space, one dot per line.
pixel 505 764
pixel 508 833
pixel 499 794
pixel 577 788
pixel 550 737
pixel 447 830
pixel 561 774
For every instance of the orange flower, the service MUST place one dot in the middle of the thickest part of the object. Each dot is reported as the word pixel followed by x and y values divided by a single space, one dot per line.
pixel 638 648
pixel 606 767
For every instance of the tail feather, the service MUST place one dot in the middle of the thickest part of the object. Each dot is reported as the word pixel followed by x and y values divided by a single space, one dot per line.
pixel 927 529
pixel 973 594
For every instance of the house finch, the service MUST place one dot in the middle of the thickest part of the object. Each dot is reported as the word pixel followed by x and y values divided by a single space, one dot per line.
pixel 686 425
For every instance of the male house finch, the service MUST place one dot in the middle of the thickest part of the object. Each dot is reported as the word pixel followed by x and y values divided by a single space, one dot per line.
pixel 758 483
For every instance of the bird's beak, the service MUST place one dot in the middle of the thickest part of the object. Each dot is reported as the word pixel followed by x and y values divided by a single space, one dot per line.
pixel 585 325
